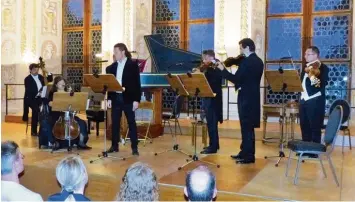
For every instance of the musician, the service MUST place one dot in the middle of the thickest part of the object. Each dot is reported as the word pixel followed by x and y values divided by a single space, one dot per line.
pixel 247 81
pixel 32 99
pixel 60 85
pixel 212 106
pixel 312 103
pixel 127 74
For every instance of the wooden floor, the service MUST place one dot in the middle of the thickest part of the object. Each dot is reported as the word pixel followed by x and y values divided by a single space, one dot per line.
pixel 259 181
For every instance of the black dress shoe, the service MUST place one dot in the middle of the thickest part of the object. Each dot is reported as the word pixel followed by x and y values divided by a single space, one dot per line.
pixel 34 134
pixel 236 157
pixel 135 153
pixel 112 149
pixel 208 151
pixel 84 147
pixel 245 161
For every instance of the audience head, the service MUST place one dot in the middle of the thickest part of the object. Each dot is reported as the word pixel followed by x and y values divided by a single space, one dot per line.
pixel 11 159
pixel 311 54
pixel 246 46
pixel 72 175
pixel 200 185
pixel 120 51
pixel 139 184
pixel 34 69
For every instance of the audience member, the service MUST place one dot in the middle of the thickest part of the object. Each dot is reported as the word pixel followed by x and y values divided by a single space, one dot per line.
pixel 11 167
pixel 200 185
pixel 139 184
pixel 72 176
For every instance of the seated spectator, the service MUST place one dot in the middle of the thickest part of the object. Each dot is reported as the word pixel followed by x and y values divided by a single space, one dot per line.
pixel 139 184
pixel 72 176
pixel 11 167
pixel 200 185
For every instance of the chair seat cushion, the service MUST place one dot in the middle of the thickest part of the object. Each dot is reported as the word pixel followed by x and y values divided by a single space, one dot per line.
pixel 168 116
pixel 298 145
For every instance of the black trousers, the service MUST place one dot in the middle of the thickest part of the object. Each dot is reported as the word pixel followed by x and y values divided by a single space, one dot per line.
pixel 212 123
pixel 34 105
pixel 311 118
pixel 118 106
pixel 247 147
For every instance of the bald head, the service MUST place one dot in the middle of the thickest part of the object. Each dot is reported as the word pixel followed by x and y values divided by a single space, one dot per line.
pixel 200 185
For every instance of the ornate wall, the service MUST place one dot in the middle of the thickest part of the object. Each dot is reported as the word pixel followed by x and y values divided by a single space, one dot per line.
pixel 352 120
pixel 29 29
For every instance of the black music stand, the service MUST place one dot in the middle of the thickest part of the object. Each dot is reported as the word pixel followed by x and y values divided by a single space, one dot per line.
pixel 279 81
pixel 180 90
pixel 69 103
pixel 197 85
pixel 104 83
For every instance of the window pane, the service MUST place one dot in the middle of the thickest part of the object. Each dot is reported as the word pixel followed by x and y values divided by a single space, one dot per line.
pixel 167 10
pixel 96 15
pixel 331 5
pixel 331 36
pixel 201 9
pixel 171 34
pixel 74 13
pixel 74 75
pixel 73 47
pixel 95 44
pixel 284 6
pixel 284 38
pixel 201 37
pixel 339 75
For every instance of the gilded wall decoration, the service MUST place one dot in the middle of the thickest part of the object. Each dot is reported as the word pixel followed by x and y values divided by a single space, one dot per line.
pixel 49 50
pixel 258 25
pixel 49 17
pixel 34 34
pixel 244 22
pixel 128 24
pixel 23 28
pixel 7 51
pixel 142 28
pixel 8 12
pixel 220 43
pixel 8 73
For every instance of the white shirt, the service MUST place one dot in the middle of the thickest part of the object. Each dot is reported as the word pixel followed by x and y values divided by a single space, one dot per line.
pixel 12 191
pixel 38 82
pixel 119 73
pixel 304 94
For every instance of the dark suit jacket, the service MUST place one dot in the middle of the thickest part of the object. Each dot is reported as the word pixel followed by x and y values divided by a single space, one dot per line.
pixel 214 78
pixel 31 91
pixel 130 81
pixel 248 78
pixel 311 90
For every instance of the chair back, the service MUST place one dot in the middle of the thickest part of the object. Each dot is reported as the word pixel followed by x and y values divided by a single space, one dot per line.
pixel 145 112
pixel 334 123
pixel 179 100
pixel 346 109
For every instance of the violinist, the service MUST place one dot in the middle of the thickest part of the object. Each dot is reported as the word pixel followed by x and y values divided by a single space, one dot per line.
pixel 60 85
pixel 212 106
pixel 33 86
pixel 247 82
pixel 314 78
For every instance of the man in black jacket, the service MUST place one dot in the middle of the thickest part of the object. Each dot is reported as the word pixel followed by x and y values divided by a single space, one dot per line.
pixel 247 81
pixel 127 73
pixel 312 104
pixel 212 106
pixel 33 87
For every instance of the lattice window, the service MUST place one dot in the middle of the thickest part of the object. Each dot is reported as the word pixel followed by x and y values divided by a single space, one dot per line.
pixel 331 5
pixel 73 47
pixel 167 10
pixel 171 34
pixel 331 35
pixel 168 98
pixel 201 9
pixel 96 15
pixel 95 44
pixel 74 76
pixel 284 6
pixel 74 13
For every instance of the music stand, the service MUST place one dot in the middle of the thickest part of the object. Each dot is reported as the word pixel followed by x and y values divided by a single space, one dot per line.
pixel 279 81
pixel 68 103
pixel 197 85
pixel 180 90
pixel 103 83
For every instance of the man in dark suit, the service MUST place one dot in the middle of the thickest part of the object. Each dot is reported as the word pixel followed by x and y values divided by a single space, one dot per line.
pixel 212 106
pixel 33 87
pixel 312 104
pixel 127 73
pixel 247 81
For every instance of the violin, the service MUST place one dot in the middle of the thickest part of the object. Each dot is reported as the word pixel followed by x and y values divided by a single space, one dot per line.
pixel 204 66
pixel 230 61
pixel 313 71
